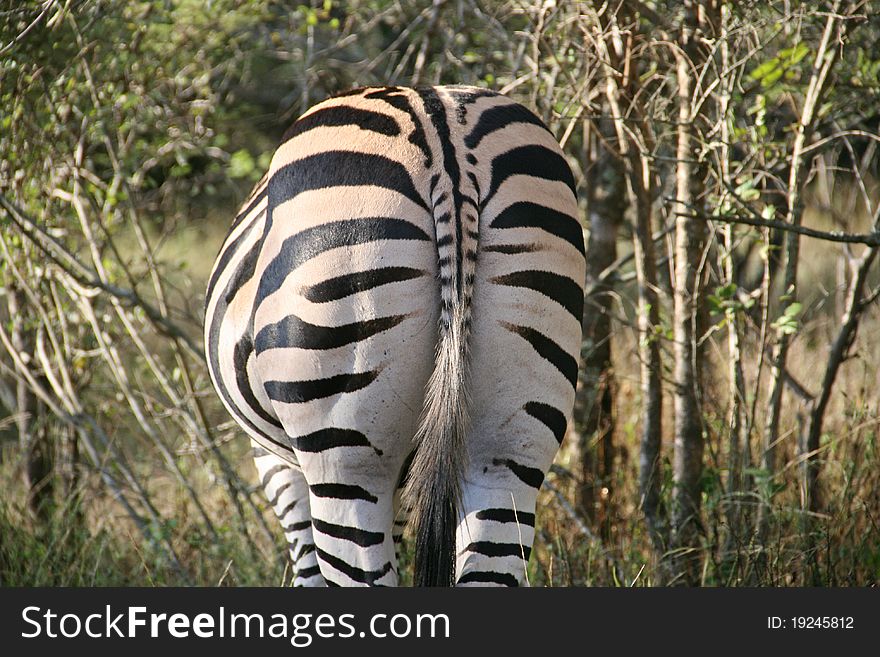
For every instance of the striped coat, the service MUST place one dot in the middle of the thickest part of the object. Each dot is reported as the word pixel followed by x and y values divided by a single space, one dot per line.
pixel 394 319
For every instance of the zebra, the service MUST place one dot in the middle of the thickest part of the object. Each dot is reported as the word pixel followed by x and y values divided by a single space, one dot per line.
pixel 395 320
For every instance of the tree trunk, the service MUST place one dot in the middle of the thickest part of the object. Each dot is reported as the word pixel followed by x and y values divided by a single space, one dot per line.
pixel 738 451
pixel 826 56
pixel 690 235
pixel 594 404
pixel 31 417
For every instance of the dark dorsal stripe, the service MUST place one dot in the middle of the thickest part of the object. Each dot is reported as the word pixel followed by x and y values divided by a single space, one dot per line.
pixel 341 168
pixel 488 577
pixel 535 161
pixel 437 113
pixel 298 392
pixel 530 476
pixel 353 572
pixel 357 536
pixel 552 417
pixel 323 439
pixel 343 115
pixel 507 515
pixel 490 549
pixel 311 242
pixel 561 289
pixel 294 332
pixel 548 350
pixel 343 492
pixel 398 100
pixel 496 118
pixel 340 287
pixel 524 214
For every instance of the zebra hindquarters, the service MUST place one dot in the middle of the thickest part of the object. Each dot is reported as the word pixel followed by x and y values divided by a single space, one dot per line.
pixel 525 343
pixel 344 345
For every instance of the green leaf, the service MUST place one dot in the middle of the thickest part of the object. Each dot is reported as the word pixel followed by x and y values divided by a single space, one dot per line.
pixel 793 309
pixel 241 164
pixel 772 78
pixel 765 69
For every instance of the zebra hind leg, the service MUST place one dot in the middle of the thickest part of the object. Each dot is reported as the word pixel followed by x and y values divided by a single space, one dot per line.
pixel 288 494
pixel 494 538
pixel 354 537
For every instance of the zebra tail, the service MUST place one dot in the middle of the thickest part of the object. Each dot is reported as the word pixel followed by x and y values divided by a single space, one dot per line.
pixel 433 488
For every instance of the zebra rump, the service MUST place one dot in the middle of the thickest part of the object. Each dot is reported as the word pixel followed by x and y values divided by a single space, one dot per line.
pixel 395 319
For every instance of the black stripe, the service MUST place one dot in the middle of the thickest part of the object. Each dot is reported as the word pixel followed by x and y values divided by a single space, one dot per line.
pixel 353 572
pixel 306 573
pixel 341 168
pixel 511 249
pixel 240 355
pixel 403 477
pixel 271 472
pixel 294 332
pixel 505 579
pixel 276 496
pixel 398 100
pixel 342 115
pixel 561 289
pixel 286 509
pixel 548 350
pixel 437 113
pixel 498 117
pixel 507 515
pixel 531 160
pixel 297 392
pixel 311 242
pixel 490 549
pixel 552 417
pixel 222 263
pixel 322 439
pixel 465 97
pixel 524 214
pixel 343 492
pixel 252 202
pixel 297 526
pixel 357 536
pixel 307 548
pixel 531 476
pixel 213 355
pixel 244 272
pixel 347 284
